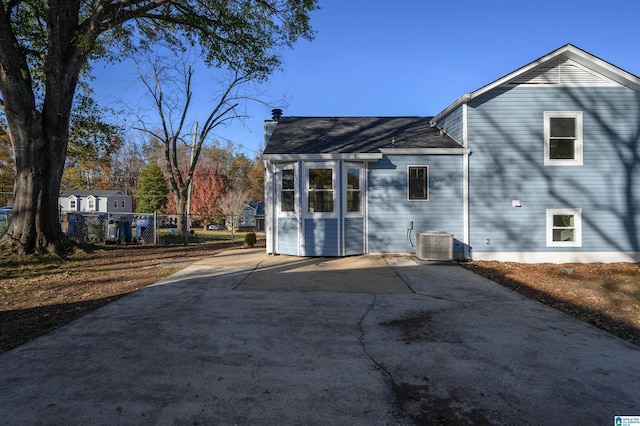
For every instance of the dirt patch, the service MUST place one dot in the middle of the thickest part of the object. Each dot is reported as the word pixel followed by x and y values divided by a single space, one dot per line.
pixel 606 295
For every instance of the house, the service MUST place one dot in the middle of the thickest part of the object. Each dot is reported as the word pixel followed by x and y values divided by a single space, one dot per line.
pixel 541 165
pixel 101 201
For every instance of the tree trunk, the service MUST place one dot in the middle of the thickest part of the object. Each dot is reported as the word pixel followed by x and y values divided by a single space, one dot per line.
pixel 181 210
pixel 35 222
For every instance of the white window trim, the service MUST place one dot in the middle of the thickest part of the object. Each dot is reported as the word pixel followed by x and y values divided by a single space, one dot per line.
pixel 296 185
pixel 577 161
pixel 336 206
pixel 409 176
pixel 345 169
pixel 577 214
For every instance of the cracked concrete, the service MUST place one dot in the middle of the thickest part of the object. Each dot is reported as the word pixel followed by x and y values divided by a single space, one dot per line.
pixel 208 345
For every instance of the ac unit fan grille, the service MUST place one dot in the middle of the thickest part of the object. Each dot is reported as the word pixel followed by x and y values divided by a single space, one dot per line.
pixel 434 246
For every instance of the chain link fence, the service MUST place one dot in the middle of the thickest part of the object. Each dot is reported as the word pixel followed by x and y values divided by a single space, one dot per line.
pixel 146 228
pixel 111 228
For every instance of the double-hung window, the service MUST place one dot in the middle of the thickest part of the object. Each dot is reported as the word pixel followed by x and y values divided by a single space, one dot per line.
pixel 563 138
pixel 418 183
pixel 287 190
pixel 354 189
pixel 564 228
pixel 320 190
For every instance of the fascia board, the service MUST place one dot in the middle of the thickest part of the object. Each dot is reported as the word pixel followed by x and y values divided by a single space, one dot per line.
pixel 373 156
pixel 425 151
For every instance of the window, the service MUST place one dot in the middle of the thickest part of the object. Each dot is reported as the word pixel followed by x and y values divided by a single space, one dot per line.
pixel 123 204
pixel 563 138
pixel 115 204
pixel 72 204
pixel 353 197
pixel 320 190
pixel 564 228
pixel 92 204
pixel 418 183
pixel 287 192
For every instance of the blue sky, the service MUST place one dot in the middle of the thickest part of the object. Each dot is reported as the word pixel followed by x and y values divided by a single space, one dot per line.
pixel 413 57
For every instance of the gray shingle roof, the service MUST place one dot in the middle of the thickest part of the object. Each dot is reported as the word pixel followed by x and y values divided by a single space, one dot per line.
pixel 341 135
pixel 86 193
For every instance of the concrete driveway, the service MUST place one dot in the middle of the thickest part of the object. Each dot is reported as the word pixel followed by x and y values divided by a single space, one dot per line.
pixel 245 338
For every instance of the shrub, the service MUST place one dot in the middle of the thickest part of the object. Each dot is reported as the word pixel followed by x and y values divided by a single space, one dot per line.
pixel 250 239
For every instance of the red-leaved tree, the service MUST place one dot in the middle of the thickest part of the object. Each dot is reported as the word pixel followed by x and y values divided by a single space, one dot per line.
pixel 207 187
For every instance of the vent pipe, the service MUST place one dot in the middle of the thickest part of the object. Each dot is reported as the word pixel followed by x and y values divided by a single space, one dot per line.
pixel 276 113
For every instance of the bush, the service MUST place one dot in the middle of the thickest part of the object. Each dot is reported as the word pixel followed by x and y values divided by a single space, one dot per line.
pixel 250 239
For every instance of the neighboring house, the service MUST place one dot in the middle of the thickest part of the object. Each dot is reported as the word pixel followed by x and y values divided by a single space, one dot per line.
pixel 101 201
pixel 541 165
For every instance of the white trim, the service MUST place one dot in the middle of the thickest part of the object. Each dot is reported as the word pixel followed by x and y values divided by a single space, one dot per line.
pixel 559 257
pixel 335 188
pixel 425 151
pixel 279 168
pixel 408 183
pixel 465 184
pixel 577 227
pixel 578 160
pixel 575 54
pixel 365 202
pixel 323 157
pixel 345 168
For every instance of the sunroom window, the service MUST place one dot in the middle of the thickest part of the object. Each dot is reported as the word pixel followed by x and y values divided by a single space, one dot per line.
pixel 320 191
pixel 287 192
pixel 353 190
pixel 563 138
pixel 564 228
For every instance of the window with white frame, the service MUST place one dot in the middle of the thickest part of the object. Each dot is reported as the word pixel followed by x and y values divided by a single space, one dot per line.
pixel 287 190
pixel 123 204
pixel 563 138
pixel 320 190
pixel 418 183
pixel 564 228
pixel 353 196
pixel 72 204
pixel 92 203
pixel 115 204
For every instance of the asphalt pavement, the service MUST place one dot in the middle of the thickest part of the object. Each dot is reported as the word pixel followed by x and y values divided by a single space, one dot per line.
pixel 244 338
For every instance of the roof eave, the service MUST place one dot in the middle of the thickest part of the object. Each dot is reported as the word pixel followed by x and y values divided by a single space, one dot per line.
pixel 367 156
pixel 425 151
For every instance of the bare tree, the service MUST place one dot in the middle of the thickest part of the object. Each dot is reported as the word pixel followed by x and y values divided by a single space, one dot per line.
pixel 231 205
pixel 169 85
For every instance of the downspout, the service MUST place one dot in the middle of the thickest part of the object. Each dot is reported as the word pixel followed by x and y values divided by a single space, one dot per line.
pixel 274 194
pixel 465 183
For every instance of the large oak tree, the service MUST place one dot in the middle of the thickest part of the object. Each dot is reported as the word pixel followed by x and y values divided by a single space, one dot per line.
pixel 46 46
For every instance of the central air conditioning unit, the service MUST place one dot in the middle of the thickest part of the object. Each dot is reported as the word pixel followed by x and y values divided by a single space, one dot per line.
pixel 434 245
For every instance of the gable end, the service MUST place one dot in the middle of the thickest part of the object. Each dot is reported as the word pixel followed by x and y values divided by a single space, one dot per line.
pixel 561 71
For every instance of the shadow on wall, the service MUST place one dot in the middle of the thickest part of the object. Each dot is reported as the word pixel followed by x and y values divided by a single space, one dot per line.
pixel 507 162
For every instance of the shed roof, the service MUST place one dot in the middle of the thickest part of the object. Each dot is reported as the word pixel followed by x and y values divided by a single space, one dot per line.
pixel 354 135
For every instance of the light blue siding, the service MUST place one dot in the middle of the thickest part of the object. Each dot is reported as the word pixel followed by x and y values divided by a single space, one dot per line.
pixel 287 236
pixel 321 237
pixel 507 163
pixel 354 236
pixel 390 209
pixel 452 124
